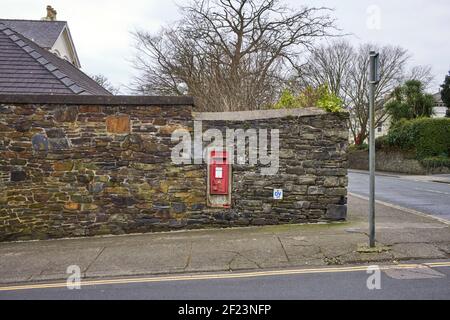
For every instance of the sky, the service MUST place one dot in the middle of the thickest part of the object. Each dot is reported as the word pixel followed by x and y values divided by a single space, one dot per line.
pixel 101 29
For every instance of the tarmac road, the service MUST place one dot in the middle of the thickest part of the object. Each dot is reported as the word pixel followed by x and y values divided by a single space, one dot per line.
pixel 425 196
pixel 396 282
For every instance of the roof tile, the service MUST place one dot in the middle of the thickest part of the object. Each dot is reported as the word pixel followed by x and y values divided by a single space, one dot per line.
pixel 50 67
pixel 59 74
pixel 27 48
pixel 13 37
pixel 67 81
pixel 42 60
pixel 76 89
pixel 35 54
pixel 20 43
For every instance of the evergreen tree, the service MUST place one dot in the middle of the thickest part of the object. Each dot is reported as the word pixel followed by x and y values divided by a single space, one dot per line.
pixel 445 93
pixel 409 101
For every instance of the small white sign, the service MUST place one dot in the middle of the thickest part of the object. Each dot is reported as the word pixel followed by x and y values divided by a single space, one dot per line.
pixel 219 173
pixel 278 194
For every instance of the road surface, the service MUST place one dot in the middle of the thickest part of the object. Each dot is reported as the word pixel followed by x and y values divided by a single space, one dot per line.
pixel 396 282
pixel 424 196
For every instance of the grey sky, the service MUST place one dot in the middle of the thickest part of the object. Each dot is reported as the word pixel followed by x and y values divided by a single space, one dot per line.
pixel 101 28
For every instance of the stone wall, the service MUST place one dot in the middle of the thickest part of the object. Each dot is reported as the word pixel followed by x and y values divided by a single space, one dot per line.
pixel 391 161
pixel 312 167
pixel 81 166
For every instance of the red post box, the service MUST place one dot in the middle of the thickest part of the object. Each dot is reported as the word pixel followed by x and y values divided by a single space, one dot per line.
pixel 218 172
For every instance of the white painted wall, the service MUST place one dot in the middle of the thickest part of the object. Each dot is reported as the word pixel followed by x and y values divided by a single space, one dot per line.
pixel 63 49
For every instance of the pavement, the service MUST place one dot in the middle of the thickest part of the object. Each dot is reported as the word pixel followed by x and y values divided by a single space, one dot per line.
pixel 429 194
pixel 401 236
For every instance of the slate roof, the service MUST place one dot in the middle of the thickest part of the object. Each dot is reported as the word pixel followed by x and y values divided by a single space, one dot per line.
pixel 44 33
pixel 27 68
pixel 437 97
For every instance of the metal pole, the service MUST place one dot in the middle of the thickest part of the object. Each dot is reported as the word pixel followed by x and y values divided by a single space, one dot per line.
pixel 373 81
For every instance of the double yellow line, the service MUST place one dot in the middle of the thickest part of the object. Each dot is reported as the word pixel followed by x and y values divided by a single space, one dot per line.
pixel 223 276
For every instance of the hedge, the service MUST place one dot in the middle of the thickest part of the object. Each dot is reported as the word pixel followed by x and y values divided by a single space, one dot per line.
pixel 435 162
pixel 429 137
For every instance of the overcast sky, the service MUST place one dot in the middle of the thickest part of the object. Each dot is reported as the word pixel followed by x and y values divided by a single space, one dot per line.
pixel 101 28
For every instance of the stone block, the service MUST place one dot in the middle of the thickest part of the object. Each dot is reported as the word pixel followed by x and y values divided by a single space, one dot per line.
pixel 178 207
pixel 118 124
pixel 302 204
pixel 66 113
pixel 307 179
pixel 55 133
pixel 336 191
pixel 168 129
pixel 90 109
pixel 63 165
pixel 18 175
pixel 315 190
pixel 58 144
pixel 331 182
pixel 159 122
pixel 72 206
pixel 23 126
pixel 39 142
pixel 336 212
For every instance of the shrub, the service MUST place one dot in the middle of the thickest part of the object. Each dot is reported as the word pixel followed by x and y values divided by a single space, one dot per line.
pixel 320 97
pixel 287 101
pixel 355 147
pixel 401 135
pixel 433 137
pixel 329 102
pixel 381 142
pixel 429 137
pixel 435 162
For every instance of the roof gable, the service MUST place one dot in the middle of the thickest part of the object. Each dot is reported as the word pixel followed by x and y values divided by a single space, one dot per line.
pixel 28 68
pixel 44 33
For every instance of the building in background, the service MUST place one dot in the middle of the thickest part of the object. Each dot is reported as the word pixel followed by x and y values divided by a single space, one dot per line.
pixel 49 34
pixel 439 107
pixel 39 57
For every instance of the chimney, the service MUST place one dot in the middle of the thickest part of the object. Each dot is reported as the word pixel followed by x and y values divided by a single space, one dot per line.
pixel 51 14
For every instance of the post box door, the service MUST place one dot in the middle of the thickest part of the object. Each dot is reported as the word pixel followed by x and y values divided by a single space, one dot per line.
pixel 218 174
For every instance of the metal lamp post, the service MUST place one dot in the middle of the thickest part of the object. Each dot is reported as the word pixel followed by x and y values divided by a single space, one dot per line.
pixel 373 80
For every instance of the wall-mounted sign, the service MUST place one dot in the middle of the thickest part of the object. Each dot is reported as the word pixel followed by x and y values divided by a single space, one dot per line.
pixel 278 194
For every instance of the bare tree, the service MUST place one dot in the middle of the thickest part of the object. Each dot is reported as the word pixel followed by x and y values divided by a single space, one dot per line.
pixel 356 92
pixel 105 83
pixel 328 64
pixel 229 54
pixel 422 74
pixel 345 69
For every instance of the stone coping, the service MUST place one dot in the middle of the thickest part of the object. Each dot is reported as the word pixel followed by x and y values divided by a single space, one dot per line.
pixel 256 114
pixel 96 100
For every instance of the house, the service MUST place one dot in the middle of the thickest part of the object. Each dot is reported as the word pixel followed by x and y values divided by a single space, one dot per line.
pixel 49 34
pixel 439 108
pixel 39 57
